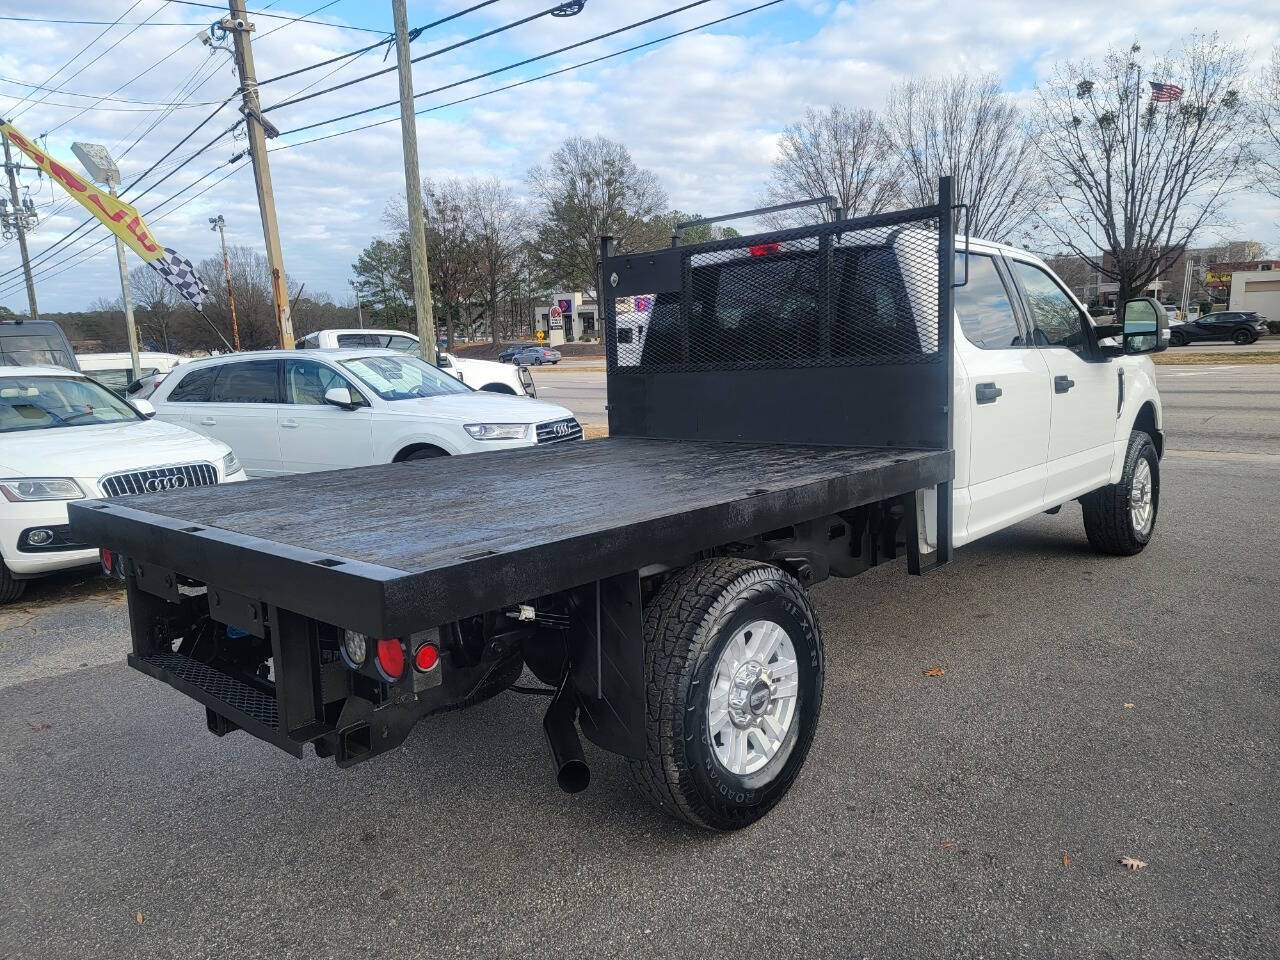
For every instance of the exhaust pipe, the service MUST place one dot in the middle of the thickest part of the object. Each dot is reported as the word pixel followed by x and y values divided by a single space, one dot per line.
pixel 572 773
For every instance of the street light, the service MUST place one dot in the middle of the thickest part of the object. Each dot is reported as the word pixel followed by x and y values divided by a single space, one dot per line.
pixel 102 169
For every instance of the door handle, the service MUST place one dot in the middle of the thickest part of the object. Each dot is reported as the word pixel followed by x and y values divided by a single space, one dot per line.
pixel 1062 383
pixel 987 392
pixel 208 422
pixel 289 424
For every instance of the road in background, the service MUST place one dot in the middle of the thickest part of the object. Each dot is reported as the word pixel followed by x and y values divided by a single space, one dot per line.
pixel 1206 407
pixel 1092 708
pixel 1231 408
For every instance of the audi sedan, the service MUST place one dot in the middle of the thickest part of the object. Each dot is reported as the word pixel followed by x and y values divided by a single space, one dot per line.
pixel 66 437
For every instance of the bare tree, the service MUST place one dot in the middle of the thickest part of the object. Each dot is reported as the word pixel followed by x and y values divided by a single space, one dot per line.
pixel 966 128
pixel 587 188
pixel 838 152
pixel 1142 175
pixel 498 226
pixel 1266 110
pixel 157 302
pixel 255 306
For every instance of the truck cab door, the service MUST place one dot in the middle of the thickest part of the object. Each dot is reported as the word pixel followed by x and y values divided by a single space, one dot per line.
pixel 1001 470
pixel 1084 386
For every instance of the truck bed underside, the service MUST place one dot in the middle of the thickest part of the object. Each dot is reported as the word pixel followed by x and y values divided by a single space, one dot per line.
pixel 387 549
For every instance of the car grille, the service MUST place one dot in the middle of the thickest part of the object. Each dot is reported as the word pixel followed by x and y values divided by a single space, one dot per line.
pixel 159 479
pixel 555 431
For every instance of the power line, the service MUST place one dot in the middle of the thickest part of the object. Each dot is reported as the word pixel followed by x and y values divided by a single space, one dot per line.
pixel 93 220
pixel 413 35
pixel 81 256
pixel 78 54
pixel 426 56
pixel 305 18
pixel 521 83
pixel 101 97
pixel 136 76
pixel 101 23
pixel 510 66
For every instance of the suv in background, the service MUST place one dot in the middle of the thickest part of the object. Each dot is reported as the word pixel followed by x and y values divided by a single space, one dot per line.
pixel 1237 326
pixel 294 411
pixel 31 343
pixel 477 374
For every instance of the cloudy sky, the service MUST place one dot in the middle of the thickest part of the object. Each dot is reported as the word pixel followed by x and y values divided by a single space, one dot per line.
pixel 702 110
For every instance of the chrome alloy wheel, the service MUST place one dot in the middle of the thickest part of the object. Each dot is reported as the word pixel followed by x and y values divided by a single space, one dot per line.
pixel 1141 508
pixel 752 703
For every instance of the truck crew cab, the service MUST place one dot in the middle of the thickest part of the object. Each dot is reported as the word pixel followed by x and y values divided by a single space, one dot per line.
pixel 785 407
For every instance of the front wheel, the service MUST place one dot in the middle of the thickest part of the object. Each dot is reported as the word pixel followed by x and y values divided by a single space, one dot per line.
pixel 734 669
pixel 10 589
pixel 1120 518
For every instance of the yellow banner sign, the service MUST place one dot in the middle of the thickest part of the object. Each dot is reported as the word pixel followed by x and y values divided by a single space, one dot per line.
pixel 122 218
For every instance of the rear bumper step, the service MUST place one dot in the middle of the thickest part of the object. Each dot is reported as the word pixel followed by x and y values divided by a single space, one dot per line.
pixel 245 706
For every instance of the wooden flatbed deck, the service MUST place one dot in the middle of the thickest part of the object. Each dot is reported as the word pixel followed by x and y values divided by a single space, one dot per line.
pixel 400 547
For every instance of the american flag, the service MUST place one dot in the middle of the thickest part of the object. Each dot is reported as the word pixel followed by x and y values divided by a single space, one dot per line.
pixel 1165 92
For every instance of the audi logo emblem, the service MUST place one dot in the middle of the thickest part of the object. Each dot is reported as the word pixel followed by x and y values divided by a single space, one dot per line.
pixel 561 429
pixel 156 484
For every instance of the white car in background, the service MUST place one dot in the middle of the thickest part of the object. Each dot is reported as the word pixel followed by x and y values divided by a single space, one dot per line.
pixel 290 411
pixel 115 370
pixel 479 374
pixel 64 437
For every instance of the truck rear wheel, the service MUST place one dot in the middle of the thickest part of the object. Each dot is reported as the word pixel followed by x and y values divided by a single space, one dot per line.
pixel 734 668
pixel 1120 518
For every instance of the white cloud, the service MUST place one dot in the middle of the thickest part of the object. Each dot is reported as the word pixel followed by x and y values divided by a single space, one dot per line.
pixel 702 111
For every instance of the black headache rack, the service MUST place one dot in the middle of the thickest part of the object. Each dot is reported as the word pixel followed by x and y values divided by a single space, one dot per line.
pixel 759 389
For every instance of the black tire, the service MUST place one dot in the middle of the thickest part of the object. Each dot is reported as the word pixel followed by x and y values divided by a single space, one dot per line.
pixel 1108 522
pixel 537 361
pixel 426 453
pixel 1177 339
pixel 1243 337
pixel 686 626
pixel 10 589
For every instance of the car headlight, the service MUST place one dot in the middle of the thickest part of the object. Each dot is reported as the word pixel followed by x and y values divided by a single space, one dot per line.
pixel 27 488
pixel 230 464
pixel 497 431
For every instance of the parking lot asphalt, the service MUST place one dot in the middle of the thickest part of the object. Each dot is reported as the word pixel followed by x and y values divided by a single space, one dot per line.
pixel 1091 709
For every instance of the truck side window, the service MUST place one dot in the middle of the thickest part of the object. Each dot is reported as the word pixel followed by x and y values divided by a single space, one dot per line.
pixel 982 304
pixel 1056 320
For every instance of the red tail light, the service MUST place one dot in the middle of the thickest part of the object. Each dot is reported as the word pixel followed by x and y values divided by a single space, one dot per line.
pixel 107 559
pixel 391 657
pixel 426 657
pixel 764 249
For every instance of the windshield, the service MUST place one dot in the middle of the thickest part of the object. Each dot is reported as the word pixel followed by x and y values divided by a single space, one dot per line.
pixel 38 403
pixel 36 349
pixel 403 378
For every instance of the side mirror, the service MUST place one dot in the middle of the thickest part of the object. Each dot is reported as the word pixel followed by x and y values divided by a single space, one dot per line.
pixel 340 397
pixel 1146 326
pixel 144 407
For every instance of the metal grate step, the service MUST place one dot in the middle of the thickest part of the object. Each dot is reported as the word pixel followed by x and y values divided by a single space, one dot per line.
pixel 219 686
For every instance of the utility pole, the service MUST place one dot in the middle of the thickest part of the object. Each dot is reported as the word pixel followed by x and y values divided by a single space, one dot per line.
pixel 220 225
pixel 21 224
pixel 259 128
pixel 359 311
pixel 413 188
pixel 130 327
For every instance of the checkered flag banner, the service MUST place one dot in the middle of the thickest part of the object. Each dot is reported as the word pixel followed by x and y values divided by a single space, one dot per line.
pixel 180 272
